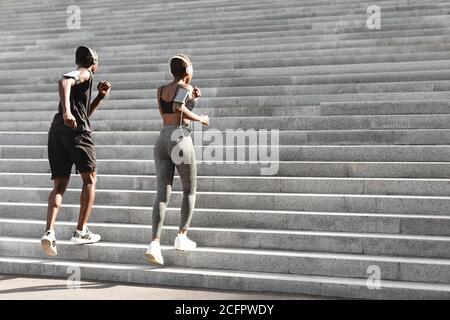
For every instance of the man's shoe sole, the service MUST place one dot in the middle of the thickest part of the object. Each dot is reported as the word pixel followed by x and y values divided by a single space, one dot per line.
pixel 47 247
pixel 82 241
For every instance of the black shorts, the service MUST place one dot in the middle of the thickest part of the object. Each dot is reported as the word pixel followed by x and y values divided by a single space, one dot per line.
pixel 68 148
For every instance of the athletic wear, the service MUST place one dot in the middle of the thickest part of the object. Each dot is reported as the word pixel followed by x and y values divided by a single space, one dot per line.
pixel 85 238
pixel 166 106
pixel 169 138
pixel 48 243
pixel 181 96
pixel 182 242
pixel 153 253
pixel 80 103
pixel 68 148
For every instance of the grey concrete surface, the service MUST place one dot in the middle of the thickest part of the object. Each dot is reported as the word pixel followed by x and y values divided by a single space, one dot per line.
pixel 41 288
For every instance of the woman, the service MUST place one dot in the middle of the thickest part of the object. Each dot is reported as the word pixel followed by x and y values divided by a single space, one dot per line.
pixel 175 102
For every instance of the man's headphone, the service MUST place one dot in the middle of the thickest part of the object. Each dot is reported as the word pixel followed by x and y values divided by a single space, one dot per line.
pixel 189 68
pixel 85 56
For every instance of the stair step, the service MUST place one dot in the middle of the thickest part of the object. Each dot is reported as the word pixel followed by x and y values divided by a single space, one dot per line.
pixel 338 242
pixel 300 263
pixel 409 223
pixel 373 186
pixel 227 279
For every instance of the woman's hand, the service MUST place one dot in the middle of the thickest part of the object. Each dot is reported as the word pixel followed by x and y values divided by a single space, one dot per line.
pixel 196 93
pixel 204 120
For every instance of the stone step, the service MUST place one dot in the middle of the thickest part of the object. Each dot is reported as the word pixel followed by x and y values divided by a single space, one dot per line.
pixel 370 53
pixel 266 35
pixel 369 186
pixel 408 224
pixel 326 22
pixel 222 7
pixel 289 59
pixel 247 43
pixel 337 242
pixel 429 170
pixel 316 72
pixel 253 152
pixel 48 84
pixel 298 137
pixel 400 204
pixel 226 279
pixel 264 31
pixel 385 107
pixel 346 29
pixel 255 17
pixel 305 123
pixel 261 91
pixel 300 263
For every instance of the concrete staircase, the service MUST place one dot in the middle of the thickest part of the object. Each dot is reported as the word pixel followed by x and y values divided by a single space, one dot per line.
pixel 364 173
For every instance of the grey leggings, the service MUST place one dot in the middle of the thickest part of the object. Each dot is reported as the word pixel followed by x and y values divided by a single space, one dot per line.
pixel 167 153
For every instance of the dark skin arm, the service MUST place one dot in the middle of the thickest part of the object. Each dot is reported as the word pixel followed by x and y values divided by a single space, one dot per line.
pixel 65 86
pixel 104 88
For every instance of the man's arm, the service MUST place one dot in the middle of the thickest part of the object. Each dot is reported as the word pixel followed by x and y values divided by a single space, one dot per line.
pixel 65 86
pixel 104 88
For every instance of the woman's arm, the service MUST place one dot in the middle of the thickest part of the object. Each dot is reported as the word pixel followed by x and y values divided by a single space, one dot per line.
pixel 189 115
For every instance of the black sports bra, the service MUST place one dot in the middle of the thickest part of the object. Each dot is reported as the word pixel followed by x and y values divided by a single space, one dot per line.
pixel 166 106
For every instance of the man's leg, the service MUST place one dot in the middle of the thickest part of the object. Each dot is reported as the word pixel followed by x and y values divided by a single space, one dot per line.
pixel 55 201
pixel 86 199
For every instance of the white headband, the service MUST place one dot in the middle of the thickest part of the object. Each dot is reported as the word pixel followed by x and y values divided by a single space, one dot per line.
pixel 189 68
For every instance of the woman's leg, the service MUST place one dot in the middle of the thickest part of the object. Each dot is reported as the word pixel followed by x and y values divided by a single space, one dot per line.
pixel 188 177
pixel 165 170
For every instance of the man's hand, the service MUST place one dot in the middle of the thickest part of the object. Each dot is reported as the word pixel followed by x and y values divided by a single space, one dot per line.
pixel 104 87
pixel 196 93
pixel 69 120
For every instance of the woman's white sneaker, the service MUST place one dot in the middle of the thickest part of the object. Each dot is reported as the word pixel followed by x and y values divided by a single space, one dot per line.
pixel 182 242
pixel 85 237
pixel 48 243
pixel 153 253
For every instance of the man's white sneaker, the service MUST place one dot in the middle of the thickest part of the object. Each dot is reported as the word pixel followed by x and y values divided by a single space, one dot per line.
pixel 86 238
pixel 153 253
pixel 48 243
pixel 182 242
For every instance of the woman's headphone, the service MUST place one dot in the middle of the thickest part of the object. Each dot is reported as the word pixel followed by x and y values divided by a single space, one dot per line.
pixel 189 68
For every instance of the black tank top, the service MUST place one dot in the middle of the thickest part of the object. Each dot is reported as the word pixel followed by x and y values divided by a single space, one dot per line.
pixel 80 103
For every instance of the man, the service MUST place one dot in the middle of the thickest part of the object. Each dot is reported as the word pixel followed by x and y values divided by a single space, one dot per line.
pixel 70 142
